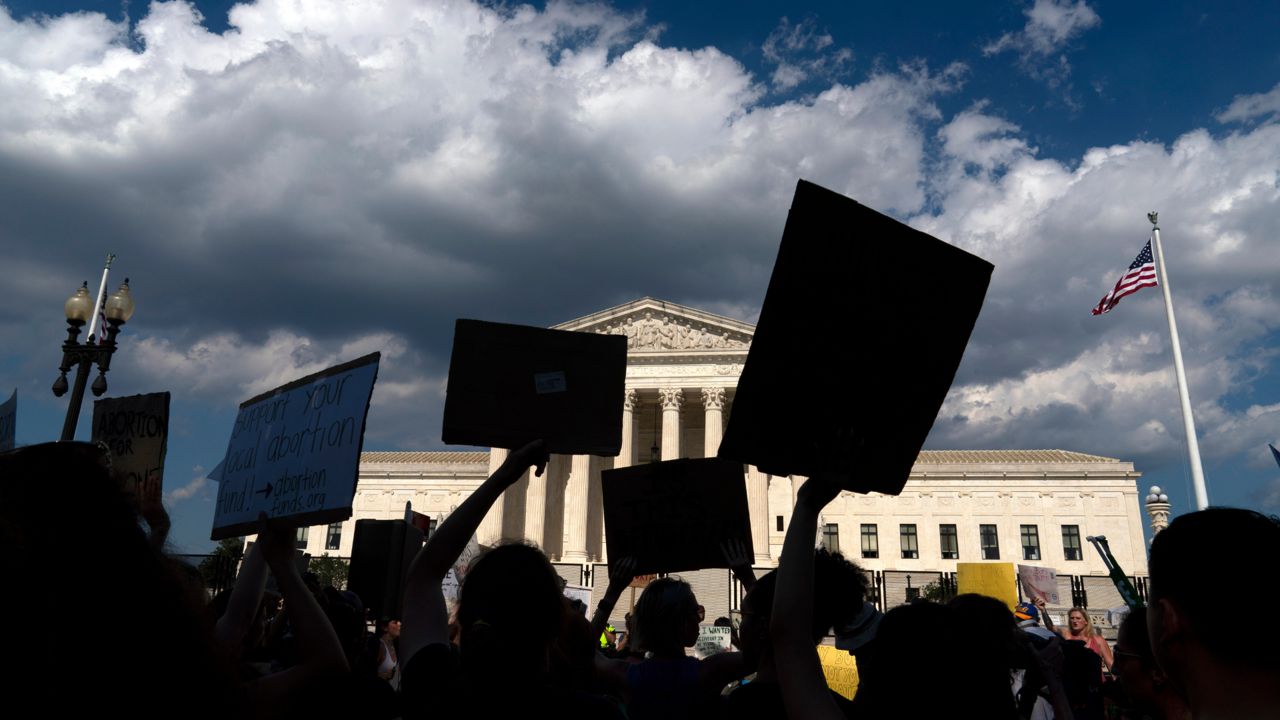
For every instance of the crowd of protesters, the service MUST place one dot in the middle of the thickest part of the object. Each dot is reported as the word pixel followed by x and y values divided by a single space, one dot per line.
pixel 125 629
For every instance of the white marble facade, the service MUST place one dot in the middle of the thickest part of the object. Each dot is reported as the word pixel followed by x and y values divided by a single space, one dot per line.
pixel 682 370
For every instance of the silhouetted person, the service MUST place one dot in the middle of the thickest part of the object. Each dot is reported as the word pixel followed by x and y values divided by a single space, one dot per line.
pixel 1226 669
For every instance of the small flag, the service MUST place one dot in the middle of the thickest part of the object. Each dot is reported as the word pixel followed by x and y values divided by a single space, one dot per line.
pixel 1141 274
pixel 1274 452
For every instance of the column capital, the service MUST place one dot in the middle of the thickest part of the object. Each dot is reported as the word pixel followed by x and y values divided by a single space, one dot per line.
pixel 713 398
pixel 672 398
pixel 630 399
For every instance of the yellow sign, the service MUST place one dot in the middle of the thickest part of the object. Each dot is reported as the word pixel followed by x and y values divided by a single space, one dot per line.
pixel 840 669
pixel 991 579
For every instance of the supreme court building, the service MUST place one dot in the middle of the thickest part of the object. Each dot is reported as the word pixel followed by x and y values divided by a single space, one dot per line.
pixel 1027 506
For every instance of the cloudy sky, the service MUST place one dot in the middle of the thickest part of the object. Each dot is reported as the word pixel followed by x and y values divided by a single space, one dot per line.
pixel 294 183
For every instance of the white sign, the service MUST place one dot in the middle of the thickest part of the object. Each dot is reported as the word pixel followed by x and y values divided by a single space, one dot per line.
pixel 578 592
pixel 1039 583
pixel 295 451
pixel 712 640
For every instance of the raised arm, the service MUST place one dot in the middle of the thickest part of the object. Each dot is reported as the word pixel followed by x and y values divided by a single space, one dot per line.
pixel 735 553
pixel 318 647
pixel 242 605
pixel 1044 613
pixel 620 575
pixel 425 619
pixel 804 691
pixel 152 510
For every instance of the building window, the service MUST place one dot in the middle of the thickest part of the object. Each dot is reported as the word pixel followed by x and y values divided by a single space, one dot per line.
pixel 990 542
pixel 950 542
pixel 831 537
pixel 333 539
pixel 870 542
pixel 1030 542
pixel 301 538
pixel 907 537
pixel 1071 542
pixel 779 525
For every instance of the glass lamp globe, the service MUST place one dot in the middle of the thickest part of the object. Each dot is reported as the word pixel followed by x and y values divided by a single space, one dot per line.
pixel 79 307
pixel 119 307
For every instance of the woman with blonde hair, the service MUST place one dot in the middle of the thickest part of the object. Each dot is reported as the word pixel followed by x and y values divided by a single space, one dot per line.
pixel 1080 628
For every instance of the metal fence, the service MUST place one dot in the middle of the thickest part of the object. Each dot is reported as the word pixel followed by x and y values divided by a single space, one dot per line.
pixel 720 593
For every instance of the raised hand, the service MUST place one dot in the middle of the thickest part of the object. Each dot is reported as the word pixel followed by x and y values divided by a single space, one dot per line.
pixel 150 504
pixel 534 454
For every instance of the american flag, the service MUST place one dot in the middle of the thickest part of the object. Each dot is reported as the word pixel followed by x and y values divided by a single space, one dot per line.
pixel 1141 274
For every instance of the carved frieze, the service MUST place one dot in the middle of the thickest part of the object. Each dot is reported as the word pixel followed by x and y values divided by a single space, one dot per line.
pixel 650 331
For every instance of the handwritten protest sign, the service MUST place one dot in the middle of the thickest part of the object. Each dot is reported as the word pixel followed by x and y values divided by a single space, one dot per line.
pixel 712 640
pixel 135 430
pixel 840 669
pixel 993 579
pixel 889 353
pixel 8 421
pixel 674 515
pixel 295 451
pixel 512 384
pixel 1039 583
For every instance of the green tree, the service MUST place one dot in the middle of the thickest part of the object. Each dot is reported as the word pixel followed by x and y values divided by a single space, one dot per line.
pixel 937 592
pixel 329 571
pixel 219 569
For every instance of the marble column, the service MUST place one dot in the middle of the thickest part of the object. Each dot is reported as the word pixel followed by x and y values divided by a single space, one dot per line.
pixel 575 509
pixel 796 482
pixel 535 506
pixel 490 532
pixel 595 511
pixel 513 507
pixel 713 405
pixel 758 509
pixel 627 456
pixel 672 399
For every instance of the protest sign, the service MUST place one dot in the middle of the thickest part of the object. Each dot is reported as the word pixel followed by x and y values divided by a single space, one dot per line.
pixel 875 313
pixel 579 592
pixel 712 640
pixel 295 451
pixel 840 669
pixel 1039 583
pixel 9 421
pixel 512 384
pixel 995 579
pixel 135 430
pixel 674 515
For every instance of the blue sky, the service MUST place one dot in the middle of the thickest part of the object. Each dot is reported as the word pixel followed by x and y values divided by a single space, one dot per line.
pixel 295 184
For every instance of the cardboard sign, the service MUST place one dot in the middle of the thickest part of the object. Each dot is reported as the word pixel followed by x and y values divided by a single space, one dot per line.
pixel 712 640
pixel 512 384
pixel 295 451
pixel 9 421
pixel 135 430
pixel 993 579
pixel 673 516
pixel 641 582
pixel 877 315
pixel 840 669
pixel 1039 583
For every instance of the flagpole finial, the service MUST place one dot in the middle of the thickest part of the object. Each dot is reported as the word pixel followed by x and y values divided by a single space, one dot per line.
pixel 111 257
pixel 1152 216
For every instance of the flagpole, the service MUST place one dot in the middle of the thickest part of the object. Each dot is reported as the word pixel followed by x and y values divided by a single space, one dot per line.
pixel 1188 421
pixel 102 292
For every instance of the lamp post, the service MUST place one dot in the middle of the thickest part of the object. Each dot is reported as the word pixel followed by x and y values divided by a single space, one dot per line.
pixel 1158 508
pixel 79 309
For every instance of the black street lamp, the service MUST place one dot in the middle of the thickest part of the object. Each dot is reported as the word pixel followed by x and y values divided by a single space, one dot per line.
pixel 79 309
